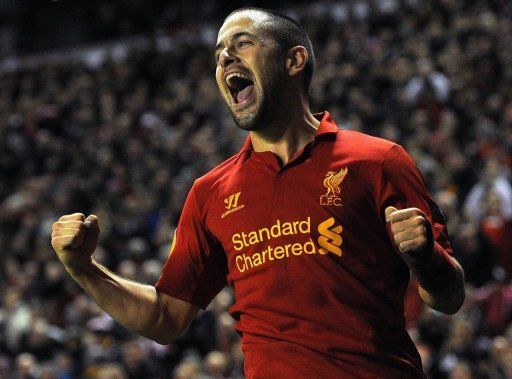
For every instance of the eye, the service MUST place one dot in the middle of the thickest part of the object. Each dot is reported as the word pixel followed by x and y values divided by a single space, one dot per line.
pixel 243 43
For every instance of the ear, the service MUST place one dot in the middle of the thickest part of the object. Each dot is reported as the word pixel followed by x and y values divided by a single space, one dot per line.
pixel 296 60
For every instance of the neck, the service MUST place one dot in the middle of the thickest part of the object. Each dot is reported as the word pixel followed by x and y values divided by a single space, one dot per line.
pixel 290 129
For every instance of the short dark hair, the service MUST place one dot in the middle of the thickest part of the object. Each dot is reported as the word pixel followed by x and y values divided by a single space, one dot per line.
pixel 288 33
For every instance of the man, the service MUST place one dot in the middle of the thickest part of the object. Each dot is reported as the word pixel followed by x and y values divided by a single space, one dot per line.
pixel 316 228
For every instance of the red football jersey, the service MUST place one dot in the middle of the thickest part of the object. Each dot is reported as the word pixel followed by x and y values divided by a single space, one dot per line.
pixel 319 285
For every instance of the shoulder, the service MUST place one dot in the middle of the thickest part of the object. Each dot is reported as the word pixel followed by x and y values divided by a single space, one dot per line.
pixel 204 185
pixel 368 147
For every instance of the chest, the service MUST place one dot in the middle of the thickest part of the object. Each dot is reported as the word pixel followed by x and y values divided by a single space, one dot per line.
pixel 258 206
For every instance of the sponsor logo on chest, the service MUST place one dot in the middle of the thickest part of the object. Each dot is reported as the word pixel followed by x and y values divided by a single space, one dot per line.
pixel 329 241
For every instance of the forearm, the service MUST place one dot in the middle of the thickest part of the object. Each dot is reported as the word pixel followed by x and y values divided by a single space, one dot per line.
pixel 441 281
pixel 136 306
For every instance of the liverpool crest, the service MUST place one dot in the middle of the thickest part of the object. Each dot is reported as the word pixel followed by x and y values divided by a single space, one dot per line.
pixel 332 183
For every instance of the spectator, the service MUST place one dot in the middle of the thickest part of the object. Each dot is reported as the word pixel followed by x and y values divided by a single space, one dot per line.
pixel 497 228
pixel 493 178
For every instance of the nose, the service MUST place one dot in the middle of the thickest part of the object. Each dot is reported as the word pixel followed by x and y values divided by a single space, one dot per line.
pixel 226 58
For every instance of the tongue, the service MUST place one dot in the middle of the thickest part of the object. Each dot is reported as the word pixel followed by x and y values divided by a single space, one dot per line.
pixel 244 94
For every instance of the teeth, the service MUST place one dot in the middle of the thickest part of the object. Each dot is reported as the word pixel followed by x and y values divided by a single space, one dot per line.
pixel 237 74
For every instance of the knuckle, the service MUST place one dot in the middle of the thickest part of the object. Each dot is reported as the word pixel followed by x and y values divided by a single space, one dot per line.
pixel 405 211
pixel 410 225
pixel 404 225
pixel 56 243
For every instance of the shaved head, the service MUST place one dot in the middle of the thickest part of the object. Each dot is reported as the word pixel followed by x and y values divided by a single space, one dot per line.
pixel 285 31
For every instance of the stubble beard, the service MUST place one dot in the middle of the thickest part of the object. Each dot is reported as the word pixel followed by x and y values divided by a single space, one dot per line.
pixel 252 120
pixel 266 104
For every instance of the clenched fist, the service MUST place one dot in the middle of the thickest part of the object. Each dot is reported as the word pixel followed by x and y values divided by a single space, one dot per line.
pixel 409 229
pixel 74 239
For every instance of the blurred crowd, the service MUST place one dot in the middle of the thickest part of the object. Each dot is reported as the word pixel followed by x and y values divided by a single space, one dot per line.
pixel 125 139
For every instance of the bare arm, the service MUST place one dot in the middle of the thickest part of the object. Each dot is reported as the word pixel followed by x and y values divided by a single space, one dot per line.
pixel 440 277
pixel 138 307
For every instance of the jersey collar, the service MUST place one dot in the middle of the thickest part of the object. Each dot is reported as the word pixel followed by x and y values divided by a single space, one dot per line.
pixel 327 126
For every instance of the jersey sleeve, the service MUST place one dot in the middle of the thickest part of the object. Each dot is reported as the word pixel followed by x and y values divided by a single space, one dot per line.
pixel 402 186
pixel 196 268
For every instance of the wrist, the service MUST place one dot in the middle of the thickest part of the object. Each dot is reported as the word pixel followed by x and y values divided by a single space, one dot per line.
pixel 81 269
pixel 421 259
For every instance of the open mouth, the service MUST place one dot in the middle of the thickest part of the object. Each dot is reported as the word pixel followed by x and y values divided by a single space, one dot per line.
pixel 240 86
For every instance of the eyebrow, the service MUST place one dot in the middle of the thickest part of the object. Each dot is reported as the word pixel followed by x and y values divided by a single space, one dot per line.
pixel 235 37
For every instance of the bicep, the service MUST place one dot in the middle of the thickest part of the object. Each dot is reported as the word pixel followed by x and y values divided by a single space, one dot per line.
pixel 196 268
pixel 402 186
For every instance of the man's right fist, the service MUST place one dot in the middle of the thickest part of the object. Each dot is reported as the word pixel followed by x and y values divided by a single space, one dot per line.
pixel 74 239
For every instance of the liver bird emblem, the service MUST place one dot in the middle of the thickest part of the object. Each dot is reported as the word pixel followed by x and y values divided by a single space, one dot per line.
pixel 333 180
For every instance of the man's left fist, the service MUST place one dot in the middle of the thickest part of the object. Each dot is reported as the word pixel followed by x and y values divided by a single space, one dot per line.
pixel 409 229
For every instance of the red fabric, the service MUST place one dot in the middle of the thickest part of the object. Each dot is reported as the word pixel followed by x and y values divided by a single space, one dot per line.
pixel 499 233
pixel 302 313
pixel 413 304
pixel 496 306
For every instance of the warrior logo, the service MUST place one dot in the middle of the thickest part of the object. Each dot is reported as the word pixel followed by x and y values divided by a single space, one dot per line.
pixel 231 204
pixel 232 201
pixel 332 182
pixel 330 238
